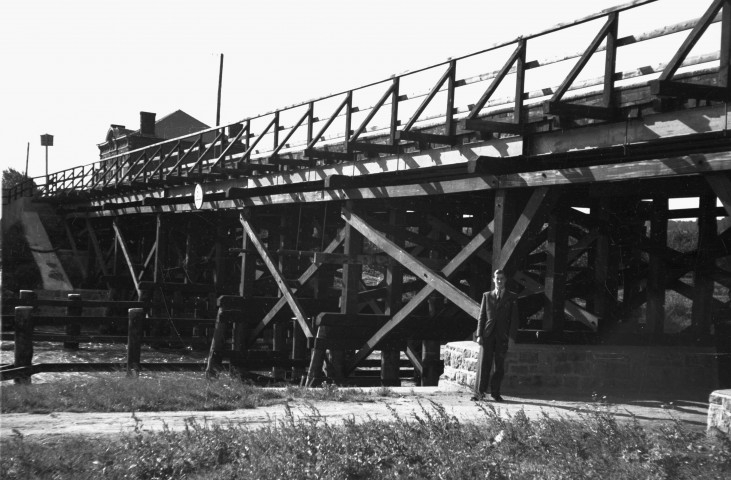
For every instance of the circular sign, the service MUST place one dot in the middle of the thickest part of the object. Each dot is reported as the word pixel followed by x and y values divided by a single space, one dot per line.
pixel 198 196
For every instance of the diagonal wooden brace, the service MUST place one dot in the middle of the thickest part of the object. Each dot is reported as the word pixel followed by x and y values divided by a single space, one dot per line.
pixel 127 257
pixel 281 282
pixel 518 243
pixel 721 185
pixel 302 280
pixel 413 264
pixel 434 281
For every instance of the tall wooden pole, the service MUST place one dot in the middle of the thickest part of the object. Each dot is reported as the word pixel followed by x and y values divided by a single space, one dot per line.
pixel 27 155
pixel 220 82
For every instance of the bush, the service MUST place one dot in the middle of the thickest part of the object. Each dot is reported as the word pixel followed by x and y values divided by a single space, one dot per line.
pixel 432 444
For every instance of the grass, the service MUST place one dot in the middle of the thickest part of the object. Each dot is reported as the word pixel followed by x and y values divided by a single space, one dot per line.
pixel 160 393
pixel 431 444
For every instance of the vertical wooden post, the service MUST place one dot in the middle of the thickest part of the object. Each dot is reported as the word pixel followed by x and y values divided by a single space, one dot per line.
pixel 605 267
pixel 655 316
pixel 431 348
pixel 631 276
pixel 394 111
pixel 352 275
pixel 610 60
pixel 555 287
pixel 248 266
pixel 479 277
pixel 91 260
pixel 218 344
pixel 134 337
pixel 161 249
pixel 279 329
pixel 73 310
pixel 702 282
pixel 218 275
pixel 724 67
pixel 507 206
pixel 230 311
pixel 391 355
pixel 430 359
pixel 449 114
pixel 299 350
pixel 519 84
pixel 240 333
pixel 246 286
pixel 23 355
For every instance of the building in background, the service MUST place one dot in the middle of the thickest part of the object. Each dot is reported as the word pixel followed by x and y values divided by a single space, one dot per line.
pixel 121 140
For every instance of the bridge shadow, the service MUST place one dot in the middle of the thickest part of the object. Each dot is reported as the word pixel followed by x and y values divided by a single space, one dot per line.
pixel 643 408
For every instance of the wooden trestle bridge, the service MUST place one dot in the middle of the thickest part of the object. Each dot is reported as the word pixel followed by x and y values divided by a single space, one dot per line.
pixel 370 220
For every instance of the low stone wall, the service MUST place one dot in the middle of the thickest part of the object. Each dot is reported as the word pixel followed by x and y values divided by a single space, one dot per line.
pixel 719 411
pixel 692 371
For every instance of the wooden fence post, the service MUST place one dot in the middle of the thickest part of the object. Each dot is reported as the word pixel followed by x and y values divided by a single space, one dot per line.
pixel 134 334
pixel 74 309
pixel 23 341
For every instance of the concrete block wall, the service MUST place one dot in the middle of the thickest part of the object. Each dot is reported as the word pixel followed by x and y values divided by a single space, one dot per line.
pixel 590 369
pixel 719 411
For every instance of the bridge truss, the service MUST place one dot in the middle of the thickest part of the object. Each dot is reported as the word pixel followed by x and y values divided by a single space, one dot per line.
pixel 344 238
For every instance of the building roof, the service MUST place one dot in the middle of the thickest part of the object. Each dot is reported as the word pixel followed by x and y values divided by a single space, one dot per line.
pixel 172 125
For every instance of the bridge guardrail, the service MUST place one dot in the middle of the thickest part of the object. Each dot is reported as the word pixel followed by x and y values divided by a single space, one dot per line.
pixel 337 127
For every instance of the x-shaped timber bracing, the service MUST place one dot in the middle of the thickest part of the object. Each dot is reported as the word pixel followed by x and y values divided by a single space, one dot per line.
pixel 281 282
pixel 302 280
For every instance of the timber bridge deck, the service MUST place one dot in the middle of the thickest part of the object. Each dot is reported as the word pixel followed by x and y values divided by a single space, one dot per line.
pixel 566 186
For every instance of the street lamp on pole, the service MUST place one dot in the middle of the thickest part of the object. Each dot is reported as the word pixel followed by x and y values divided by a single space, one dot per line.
pixel 46 141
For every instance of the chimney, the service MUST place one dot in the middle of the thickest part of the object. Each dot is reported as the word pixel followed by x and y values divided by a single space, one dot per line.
pixel 147 123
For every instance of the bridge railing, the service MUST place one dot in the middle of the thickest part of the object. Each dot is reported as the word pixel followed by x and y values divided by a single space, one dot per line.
pixel 387 116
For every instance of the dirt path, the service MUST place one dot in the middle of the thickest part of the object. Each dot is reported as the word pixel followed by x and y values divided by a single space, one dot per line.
pixel 404 401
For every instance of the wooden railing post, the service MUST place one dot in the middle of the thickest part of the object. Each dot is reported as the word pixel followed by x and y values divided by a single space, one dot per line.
pixel 74 309
pixel 134 336
pixel 23 341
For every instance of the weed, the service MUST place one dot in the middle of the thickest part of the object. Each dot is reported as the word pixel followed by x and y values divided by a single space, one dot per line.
pixel 430 444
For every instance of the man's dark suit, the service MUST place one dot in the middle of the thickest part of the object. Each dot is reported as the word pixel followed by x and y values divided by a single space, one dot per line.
pixel 497 322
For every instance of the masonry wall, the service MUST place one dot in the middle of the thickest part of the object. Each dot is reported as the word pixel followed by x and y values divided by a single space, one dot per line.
pixel 587 369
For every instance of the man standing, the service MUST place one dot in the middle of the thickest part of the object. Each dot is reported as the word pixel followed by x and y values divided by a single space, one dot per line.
pixel 497 322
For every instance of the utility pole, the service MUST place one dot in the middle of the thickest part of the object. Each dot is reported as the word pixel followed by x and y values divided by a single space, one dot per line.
pixel 220 81
pixel 27 155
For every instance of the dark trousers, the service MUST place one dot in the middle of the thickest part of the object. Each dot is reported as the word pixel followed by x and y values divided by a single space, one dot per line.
pixel 490 353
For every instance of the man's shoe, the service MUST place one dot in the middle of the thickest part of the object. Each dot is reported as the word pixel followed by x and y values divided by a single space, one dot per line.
pixel 477 397
pixel 497 397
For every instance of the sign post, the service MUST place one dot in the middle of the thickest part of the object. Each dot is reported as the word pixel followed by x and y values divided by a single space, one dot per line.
pixel 46 141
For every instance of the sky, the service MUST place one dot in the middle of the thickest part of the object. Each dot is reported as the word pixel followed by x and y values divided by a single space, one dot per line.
pixel 71 68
